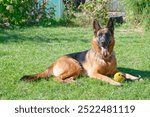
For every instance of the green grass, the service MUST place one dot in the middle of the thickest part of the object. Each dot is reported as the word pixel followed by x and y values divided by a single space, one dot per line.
pixel 31 50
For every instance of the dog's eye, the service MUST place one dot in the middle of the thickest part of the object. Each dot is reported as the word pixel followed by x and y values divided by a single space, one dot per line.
pixel 100 34
pixel 107 35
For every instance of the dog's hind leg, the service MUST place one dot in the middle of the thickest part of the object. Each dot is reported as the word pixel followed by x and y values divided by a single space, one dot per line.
pixel 70 80
pixel 66 69
pixel 66 80
pixel 68 76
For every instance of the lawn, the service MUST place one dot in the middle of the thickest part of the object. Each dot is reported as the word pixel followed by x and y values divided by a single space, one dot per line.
pixel 31 50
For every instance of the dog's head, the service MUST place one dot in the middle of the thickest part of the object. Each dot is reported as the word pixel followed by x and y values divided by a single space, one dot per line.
pixel 104 38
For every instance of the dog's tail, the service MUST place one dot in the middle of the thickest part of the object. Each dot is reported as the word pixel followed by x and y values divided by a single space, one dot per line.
pixel 47 73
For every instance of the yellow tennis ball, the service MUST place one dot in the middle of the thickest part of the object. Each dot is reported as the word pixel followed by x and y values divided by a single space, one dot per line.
pixel 119 77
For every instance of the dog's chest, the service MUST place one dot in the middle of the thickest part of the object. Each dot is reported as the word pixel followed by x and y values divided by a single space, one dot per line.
pixel 106 67
pixel 101 66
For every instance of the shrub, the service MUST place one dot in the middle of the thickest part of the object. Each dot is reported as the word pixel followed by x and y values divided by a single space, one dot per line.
pixel 68 14
pixel 85 13
pixel 95 9
pixel 138 12
pixel 24 12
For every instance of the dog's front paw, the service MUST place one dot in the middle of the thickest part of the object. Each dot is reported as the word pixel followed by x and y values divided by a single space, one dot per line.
pixel 135 78
pixel 131 77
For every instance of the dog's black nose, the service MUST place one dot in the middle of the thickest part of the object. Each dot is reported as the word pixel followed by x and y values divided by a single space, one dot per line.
pixel 103 43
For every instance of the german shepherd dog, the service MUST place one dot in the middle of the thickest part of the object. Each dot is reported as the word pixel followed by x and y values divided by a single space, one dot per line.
pixel 99 62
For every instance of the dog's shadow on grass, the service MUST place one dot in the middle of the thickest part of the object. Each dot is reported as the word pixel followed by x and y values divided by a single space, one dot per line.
pixel 142 74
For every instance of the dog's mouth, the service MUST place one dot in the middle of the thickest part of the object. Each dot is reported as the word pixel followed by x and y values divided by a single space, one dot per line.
pixel 105 53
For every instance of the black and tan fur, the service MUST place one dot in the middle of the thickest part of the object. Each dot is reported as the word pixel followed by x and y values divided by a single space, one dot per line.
pixel 99 62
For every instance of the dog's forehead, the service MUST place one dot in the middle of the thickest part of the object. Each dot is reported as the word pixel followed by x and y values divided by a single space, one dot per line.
pixel 103 30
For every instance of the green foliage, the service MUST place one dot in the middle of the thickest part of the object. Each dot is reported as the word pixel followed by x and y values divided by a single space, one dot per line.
pixel 95 9
pixel 85 13
pixel 138 12
pixel 69 13
pixel 24 12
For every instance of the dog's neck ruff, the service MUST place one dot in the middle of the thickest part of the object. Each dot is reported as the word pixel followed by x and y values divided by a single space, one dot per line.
pixel 99 56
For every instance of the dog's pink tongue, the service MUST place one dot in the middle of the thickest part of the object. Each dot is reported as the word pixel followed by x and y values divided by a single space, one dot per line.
pixel 105 52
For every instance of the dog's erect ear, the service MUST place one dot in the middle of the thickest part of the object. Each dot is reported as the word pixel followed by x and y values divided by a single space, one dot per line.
pixel 96 26
pixel 110 25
